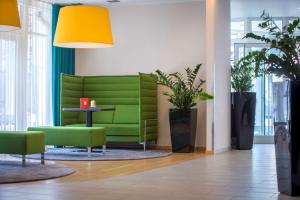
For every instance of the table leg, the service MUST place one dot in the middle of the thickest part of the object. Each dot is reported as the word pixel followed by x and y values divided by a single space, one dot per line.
pixel 89 118
pixel 23 160
pixel 42 158
pixel 103 149
pixel 89 151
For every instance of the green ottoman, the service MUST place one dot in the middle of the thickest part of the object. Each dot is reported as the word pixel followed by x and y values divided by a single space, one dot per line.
pixel 23 143
pixel 87 137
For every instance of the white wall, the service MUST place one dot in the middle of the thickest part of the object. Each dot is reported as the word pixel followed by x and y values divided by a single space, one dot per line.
pixel 168 37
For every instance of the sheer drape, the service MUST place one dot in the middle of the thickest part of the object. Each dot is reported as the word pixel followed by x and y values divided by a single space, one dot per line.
pixel 25 61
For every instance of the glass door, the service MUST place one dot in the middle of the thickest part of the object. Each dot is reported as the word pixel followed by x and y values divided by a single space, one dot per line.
pixel 263 89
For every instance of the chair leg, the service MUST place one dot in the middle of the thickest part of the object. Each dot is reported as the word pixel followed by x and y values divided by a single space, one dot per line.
pixel 104 149
pixel 23 160
pixel 42 158
pixel 89 150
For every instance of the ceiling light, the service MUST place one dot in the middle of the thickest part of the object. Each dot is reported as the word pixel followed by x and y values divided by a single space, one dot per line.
pixel 82 26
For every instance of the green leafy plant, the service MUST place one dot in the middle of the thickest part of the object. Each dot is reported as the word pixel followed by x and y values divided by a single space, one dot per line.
pixel 243 73
pixel 281 55
pixel 185 91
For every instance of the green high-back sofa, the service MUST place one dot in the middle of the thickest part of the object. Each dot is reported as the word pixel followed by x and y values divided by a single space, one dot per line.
pixel 134 99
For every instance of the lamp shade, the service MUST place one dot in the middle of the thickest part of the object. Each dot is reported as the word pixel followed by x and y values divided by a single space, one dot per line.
pixel 82 26
pixel 9 15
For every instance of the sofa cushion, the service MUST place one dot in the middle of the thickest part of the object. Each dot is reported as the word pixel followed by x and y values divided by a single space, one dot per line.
pixel 115 129
pixel 127 114
pixel 120 129
pixel 73 136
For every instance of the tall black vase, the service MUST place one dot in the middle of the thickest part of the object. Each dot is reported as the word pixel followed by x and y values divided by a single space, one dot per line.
pixel 286 103
pixel 183 124
pixel 242 119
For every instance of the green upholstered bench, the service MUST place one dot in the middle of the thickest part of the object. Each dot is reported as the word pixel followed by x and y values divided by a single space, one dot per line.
pixel 23 143
pixel 134 98
pixel 87 137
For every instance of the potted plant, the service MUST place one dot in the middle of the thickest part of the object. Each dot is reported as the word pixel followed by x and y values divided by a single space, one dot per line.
pixel 185 92
pixel 243 103
pixel 281 57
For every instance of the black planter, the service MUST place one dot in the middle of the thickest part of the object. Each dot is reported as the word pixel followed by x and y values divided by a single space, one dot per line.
pixel 287 135
pixel 183 124
pixel 242 119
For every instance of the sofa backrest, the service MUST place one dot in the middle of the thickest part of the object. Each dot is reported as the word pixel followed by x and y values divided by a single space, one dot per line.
pixel 71 92
pixel 127 114
pixel 120 92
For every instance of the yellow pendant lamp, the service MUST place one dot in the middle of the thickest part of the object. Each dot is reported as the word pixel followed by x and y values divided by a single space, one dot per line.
pixel 81 26
pixel 9 15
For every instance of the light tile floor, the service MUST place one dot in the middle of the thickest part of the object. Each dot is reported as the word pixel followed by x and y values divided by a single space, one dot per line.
pixel 234 175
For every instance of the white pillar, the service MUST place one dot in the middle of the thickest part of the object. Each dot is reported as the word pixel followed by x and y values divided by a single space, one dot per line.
pixel 218 79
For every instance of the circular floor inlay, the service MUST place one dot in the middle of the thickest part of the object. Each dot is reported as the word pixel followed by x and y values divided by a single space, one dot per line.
pixel 11 171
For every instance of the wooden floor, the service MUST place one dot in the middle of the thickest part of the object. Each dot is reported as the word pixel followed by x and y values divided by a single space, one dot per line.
pixel 234 175
pixel 104 169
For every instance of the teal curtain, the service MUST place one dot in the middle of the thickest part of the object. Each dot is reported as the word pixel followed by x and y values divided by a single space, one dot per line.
pixel 63 61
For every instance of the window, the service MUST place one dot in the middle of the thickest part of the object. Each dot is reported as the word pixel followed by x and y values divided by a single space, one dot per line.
pixel 25 63
pixel 237 29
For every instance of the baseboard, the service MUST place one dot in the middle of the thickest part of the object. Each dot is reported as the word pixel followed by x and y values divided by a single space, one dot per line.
pixel 209 152
pixel 169 148
pixel 156 147
pixel 217 151
pixel 197 149
pixel 201 149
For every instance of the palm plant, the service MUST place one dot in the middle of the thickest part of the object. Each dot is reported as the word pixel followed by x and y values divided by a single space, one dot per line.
pixel 281 55
pixel 185 91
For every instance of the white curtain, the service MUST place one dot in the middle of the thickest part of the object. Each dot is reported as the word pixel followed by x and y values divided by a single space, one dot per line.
pixel 25 69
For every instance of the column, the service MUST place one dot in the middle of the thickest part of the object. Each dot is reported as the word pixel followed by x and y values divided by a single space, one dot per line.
pixel 218 74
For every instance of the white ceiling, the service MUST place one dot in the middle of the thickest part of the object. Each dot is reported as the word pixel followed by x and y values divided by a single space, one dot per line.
pixel 239 8
pixel 122 2
pixel 254 8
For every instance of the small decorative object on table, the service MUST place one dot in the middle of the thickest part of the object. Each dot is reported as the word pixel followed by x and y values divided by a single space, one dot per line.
pixel 84 102
pixel 93 104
